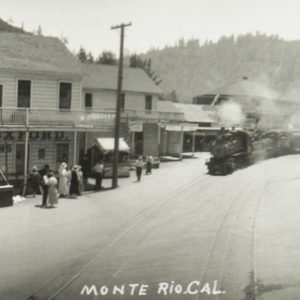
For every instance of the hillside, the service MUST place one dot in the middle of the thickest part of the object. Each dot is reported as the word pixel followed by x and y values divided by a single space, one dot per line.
pixel 4 26
pixel 192 69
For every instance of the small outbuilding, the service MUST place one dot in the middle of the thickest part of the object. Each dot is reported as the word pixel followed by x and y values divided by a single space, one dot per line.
pixel 103 149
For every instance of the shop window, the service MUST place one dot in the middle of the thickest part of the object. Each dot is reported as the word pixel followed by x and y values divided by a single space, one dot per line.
pixel 41 153
pixel 88 101
pixel 65 95
pixel 148 103
pixel 24 90
pixel 62 152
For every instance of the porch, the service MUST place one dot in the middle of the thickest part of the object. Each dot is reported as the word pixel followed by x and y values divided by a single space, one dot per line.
pixel 58 118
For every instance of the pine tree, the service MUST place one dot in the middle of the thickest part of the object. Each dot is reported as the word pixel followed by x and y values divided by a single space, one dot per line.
pixel 82 57
pixel 107 58
pixel 135 61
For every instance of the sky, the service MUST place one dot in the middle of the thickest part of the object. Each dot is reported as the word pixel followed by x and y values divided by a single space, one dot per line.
pixel 155 23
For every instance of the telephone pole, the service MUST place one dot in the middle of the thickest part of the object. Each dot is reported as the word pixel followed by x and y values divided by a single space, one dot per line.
pixel 118 104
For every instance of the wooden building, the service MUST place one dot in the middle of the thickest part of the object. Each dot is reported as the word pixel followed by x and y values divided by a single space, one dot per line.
pixel 42 120
pixel 140 115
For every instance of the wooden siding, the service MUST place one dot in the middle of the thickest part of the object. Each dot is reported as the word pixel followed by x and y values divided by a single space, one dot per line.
pixel 44 90
pixel 103 99
pixel 9 91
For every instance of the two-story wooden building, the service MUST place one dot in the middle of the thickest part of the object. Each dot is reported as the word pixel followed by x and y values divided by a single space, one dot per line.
pixel 42 120
pixel 141 118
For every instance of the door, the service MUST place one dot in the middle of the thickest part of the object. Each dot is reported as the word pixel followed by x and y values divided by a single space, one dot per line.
pixel 20 158
pixel 138 143
pixel 62 154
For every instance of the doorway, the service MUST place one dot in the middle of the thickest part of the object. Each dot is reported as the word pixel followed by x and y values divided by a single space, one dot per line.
pixel 20 158
pixel 138 143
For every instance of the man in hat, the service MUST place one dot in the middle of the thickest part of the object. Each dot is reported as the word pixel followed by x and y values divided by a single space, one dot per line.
pixel 35 181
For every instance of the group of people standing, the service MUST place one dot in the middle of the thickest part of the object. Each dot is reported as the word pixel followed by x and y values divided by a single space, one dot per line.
pixel 70 182
pixel 44 182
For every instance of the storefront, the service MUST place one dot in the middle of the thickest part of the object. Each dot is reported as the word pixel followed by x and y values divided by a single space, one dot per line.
pixel 44 147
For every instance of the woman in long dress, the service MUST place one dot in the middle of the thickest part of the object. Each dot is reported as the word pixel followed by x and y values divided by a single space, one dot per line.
pixel 52 192
pixel 63 187
pixel 74 182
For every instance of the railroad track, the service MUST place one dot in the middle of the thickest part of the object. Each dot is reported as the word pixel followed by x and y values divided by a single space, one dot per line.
pixel 121 232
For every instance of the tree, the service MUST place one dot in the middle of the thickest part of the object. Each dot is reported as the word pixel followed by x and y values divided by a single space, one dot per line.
pixel 90 58
pixel 107 58
pixel 82 57
pixel 39 30
pixel 135 61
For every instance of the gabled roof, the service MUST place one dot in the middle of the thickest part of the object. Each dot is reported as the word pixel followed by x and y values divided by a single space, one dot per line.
pixel 243 87
pixel 28 52
pixel 97 76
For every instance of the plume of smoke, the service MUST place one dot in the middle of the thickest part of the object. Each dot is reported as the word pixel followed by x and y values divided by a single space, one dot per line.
pixel 230 114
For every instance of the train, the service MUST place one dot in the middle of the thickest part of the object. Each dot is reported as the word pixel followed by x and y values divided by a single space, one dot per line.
pixel 234 149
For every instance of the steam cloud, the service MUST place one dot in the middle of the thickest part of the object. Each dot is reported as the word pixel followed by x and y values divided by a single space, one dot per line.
pixel 230 114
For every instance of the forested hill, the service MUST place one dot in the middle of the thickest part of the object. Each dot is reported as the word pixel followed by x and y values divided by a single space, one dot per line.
pixel 4 26
pixel 191 69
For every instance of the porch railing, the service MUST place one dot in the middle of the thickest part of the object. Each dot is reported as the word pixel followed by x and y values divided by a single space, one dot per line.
pixel 152 115
pixel 37 117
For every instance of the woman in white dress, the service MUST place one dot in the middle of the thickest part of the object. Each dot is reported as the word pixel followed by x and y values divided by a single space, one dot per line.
pixel 63 187
pixel 52 192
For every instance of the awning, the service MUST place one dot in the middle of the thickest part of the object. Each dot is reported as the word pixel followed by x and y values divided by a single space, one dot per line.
pixel 108 144
pixel 179 127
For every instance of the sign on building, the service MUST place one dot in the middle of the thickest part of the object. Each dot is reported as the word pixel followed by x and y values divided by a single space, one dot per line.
pixel 135 126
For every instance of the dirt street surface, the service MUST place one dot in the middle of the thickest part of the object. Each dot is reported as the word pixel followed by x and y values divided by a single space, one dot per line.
pixel 177 234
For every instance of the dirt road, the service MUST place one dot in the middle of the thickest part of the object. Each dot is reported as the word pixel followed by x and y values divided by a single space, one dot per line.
pixel 178 234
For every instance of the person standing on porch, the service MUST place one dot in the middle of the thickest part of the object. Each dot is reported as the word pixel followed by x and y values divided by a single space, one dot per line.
pixel 63 187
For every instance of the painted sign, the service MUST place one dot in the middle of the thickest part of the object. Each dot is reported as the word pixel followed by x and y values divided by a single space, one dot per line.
pixel 33 136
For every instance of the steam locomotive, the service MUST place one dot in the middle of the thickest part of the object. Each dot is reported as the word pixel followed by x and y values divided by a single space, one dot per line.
pixel 234 149
pixel 230 150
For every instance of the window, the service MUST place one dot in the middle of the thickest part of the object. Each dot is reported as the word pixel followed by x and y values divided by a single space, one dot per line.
pixel 88 101
pixel 24 90
pixel 122 102
pixel 148 105
pixel 65 94
pixel 41 153
pixel 62 153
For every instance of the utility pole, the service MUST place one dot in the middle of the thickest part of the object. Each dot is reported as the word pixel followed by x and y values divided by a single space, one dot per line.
pixel 118 104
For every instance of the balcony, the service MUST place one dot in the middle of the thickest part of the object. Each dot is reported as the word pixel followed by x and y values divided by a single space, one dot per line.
pixel 77 119
pixel 151 115
pixel 39 118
